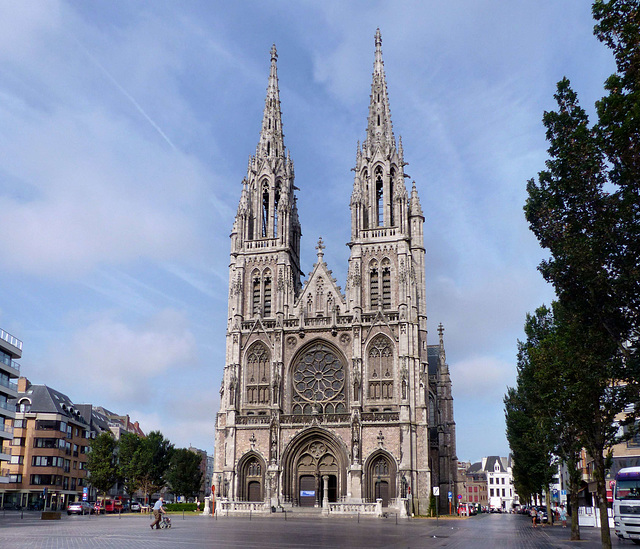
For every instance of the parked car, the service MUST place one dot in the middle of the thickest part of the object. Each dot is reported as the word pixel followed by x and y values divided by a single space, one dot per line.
pixel 135 507
pixel 80 508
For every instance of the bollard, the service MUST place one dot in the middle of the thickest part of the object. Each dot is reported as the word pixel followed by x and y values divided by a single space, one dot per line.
pixel 249 514
pixel 358 517
pixel 396 518
pixel 183 514
pixel 119 513
pixel 22 512
pixel 285 515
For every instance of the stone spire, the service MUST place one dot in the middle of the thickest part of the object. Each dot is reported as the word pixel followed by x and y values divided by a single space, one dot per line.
pixel 271 142
pixel 379 129
pixel 414 207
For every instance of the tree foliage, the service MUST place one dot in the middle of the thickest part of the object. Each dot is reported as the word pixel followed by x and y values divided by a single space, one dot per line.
pixel 154 458
pixel 585 209
pixel 184 475
pixel 129 462
pixel 102 462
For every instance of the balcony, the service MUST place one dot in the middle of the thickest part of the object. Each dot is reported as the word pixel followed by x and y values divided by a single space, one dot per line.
pixel 9 385
pixel 7 406
pixel 5 336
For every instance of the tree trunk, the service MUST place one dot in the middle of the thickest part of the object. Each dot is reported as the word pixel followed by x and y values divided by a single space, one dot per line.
pixel 601 488
pixel 574 485
pixel 547 493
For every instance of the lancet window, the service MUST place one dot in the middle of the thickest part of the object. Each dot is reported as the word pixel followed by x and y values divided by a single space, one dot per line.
pixel 261 293
pixel 379 197
pixel 374 284
pixel 386 284
pixel 380 382
pixel 258 375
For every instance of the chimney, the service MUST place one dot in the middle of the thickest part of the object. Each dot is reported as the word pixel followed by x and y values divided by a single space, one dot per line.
pixel 23 384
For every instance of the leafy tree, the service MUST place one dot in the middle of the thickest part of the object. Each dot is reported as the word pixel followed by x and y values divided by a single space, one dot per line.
pixel 129 462
pixel 154 458
pixel 184 475
pixel 102 462
pixel 529 427
pixel 585 208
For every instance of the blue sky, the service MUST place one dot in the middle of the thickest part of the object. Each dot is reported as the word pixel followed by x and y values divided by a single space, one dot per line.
pixel 125 130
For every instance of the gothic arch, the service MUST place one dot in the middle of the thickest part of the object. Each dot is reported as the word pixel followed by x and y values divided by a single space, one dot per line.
pixel 380 477
pixel 251 477
pixel 318 377
pixel 380 370
pixel 257 375
pixel 309 456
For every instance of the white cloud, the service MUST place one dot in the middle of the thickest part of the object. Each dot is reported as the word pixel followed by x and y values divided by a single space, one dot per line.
pixel 108 362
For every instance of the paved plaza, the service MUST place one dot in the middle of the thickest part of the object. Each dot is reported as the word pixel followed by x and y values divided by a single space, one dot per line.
pixel 273 531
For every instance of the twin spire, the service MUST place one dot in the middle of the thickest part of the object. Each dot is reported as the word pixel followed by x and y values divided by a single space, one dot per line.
pixel 379 127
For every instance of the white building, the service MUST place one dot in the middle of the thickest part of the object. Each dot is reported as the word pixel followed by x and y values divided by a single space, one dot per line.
pixel 500 491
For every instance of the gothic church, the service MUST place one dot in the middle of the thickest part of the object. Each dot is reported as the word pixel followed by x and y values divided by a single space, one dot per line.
pixel 332 400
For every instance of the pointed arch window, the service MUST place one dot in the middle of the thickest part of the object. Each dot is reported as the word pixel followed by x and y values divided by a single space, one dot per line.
pixel 258 375
pixel 255 297
pixel 386 284
pixel 379 197
pixel 265 206
pixel 391 197
pixel 380 356
pixel 276 200
pixel 267 294
pixel 374 284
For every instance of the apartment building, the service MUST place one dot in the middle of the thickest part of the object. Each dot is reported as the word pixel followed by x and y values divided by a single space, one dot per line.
pixel 10 350
pixel 48 451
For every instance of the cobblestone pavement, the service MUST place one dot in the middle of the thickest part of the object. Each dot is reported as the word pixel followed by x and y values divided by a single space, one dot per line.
pixel 195 532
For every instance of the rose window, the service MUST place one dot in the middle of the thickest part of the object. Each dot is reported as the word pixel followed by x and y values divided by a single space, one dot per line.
pixel 318 382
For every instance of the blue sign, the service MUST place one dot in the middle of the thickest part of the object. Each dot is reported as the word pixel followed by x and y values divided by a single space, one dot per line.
pixel 85 494
pixel 449 495
pixel 307 493
pixel 563 492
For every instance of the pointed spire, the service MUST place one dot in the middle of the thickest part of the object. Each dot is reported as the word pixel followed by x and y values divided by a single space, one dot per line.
pixel 271 142
pixel 320 247
pixel 415 208
pixel 380 129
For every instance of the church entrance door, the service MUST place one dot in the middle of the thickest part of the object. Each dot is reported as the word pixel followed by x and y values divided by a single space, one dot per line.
pixel 307 490
pixel 382 492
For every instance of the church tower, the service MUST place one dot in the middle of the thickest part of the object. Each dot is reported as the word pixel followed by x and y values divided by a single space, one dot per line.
pixel 331 400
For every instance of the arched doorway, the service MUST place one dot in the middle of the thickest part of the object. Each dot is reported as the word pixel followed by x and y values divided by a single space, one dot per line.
pixel 310 458
pixel 380 471
pixel 251 478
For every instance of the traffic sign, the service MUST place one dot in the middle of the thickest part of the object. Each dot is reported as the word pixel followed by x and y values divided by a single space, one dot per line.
pixel 450 495
pixel 459 496
pixel 436 490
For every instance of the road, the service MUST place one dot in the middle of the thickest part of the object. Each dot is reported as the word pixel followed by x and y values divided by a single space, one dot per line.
pixel 273 531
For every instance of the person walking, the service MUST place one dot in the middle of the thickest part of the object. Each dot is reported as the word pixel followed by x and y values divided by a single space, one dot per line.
pixel 563 516
pixel 158 510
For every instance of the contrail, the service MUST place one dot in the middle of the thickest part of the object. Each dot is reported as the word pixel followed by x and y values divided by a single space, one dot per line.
pixel 127 95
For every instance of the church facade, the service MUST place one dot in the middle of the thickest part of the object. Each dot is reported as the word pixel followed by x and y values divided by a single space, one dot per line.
pixel 326 396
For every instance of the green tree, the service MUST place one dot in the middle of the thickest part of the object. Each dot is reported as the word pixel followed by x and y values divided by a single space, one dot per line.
pixel 129 462
pixel 154 455
pixel 585 209
pixel 102 462
pixel 184 475
pixel 529 427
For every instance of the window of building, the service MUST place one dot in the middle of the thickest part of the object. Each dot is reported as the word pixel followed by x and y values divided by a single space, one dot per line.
pixel 374 284
pixel 379 197
pixel 258 375
pixel 491 492
pixel 380 356
pixel 318 377
pixel 386 284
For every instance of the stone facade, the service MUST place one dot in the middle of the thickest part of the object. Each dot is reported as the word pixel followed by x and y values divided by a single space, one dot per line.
pixel 330 396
